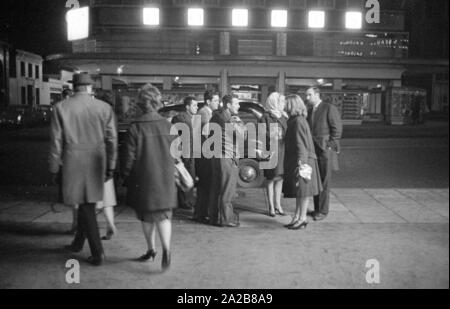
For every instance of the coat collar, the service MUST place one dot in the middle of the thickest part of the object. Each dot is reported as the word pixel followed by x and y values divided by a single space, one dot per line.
pixel 150 117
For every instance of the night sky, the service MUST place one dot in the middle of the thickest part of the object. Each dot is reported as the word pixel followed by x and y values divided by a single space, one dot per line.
pixel 35 25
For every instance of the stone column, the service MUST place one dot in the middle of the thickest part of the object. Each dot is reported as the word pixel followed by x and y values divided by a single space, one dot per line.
pixel 225 44
pixel 223 86
pixel 281 82
pixel 281 44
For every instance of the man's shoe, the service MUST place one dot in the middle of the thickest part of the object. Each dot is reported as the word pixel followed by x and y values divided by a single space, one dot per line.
pixel 96 261
pixel 232 225
pixel 73 249
pixel 311 213
pixel 320 217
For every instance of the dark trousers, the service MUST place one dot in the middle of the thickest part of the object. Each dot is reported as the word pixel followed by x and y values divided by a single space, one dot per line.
pixel 204 173
pixel 322 201
pixel 88 228
pixel 225 180
pixel 186 199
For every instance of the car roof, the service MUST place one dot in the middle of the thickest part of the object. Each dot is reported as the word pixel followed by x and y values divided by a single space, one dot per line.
pixel 245 107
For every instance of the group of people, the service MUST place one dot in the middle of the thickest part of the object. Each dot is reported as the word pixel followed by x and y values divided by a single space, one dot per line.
pixel 84 152
pixel 308 145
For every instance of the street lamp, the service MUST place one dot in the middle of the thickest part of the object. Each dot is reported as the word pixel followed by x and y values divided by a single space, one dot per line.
pixel 279 18
pixel 353 20
pixel 240 17
pixel 77 24
pixel 195 17
pixel 151 16
pixel 316 19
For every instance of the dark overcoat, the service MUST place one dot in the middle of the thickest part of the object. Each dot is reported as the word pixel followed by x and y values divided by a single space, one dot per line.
pixel 326 129
pixel 300 148
pixel 149 166
pixel 84 143
pixel 269 119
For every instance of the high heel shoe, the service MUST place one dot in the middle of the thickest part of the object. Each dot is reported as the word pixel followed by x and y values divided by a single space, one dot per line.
pixel 300 225
pixel 294 221
pixel 280 213
pixel 150 255
pixel 166 260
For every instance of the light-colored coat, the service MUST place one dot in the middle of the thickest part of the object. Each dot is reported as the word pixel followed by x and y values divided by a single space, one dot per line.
pixel 84 144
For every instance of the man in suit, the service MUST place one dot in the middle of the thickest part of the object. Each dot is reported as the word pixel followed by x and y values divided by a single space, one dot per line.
pixel 186 200
pixel 84 144
pixel 202 165
pixel 326 128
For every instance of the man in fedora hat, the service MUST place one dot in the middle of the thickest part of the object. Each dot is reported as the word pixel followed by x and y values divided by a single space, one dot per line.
pixel 84 145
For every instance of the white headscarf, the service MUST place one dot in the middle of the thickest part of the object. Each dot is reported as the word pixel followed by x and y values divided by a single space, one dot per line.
pixel 275 105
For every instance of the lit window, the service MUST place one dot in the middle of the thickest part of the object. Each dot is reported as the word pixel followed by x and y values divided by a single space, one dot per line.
pixel 316 19
pixel 240 17
pixel 353 20
pixel 151 16
pixel 279 18
pixel 77 24
pixel 195 17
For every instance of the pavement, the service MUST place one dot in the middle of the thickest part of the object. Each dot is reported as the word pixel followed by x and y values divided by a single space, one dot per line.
pixel 405 230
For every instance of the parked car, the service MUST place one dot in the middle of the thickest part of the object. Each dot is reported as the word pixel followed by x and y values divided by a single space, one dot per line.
pixel 250 173
pixel 25 116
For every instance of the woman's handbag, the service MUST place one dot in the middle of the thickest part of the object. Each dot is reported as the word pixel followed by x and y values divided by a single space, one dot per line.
pixel 304 171
pixel 183 178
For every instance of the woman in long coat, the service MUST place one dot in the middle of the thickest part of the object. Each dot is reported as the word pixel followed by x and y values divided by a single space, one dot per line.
pixel 149 170
pixel 300 155
pixel 275 116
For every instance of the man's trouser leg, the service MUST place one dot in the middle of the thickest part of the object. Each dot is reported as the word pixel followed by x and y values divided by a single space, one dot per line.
pixel 228 183
pixel 87 221
pixel 214 191
pixel 203 168
pixel 322 201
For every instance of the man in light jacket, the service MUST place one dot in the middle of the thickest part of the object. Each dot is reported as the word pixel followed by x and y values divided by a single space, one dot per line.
pixel 84 145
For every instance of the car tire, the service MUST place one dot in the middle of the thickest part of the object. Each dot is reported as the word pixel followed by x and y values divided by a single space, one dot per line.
pixel 250 175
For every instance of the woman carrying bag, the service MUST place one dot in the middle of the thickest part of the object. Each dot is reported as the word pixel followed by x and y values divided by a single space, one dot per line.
pixel 302 178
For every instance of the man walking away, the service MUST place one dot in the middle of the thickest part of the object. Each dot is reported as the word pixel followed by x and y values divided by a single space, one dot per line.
pixel 84 144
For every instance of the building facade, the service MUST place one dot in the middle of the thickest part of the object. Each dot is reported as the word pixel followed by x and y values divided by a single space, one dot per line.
pixel 4 74
pixel 26 81
pixel 356 67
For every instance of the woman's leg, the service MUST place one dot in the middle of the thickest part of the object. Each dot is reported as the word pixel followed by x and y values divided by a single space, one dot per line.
pixel 109 216
pixel 304 203
pixel 165 233
pixel 150 235
pixel 270 195
pixel 278 190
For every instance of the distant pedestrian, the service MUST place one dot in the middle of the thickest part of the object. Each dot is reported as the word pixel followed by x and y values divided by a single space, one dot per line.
pixel 84 142
pixel 203 166
pixel 149 171
pixel 275 115
pixel 186 199
pixel 326 128
pixel 416 110
pixel 302 178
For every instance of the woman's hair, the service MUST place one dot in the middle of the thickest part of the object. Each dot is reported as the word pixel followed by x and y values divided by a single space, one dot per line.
pixel 295 106
pixel 149 98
